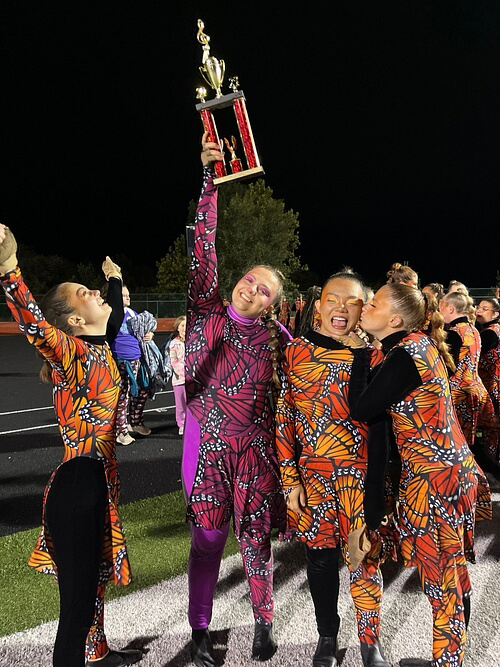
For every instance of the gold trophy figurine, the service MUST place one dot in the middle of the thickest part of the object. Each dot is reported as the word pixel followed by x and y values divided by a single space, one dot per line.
pixel 201 93
pixel 235 162
pixel 212 69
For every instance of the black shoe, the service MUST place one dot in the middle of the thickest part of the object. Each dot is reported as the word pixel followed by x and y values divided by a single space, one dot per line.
pixel 202 652
pixel 325 652
pixel 264 646
pixel 414 662
pixel 117 659
pixel 372 655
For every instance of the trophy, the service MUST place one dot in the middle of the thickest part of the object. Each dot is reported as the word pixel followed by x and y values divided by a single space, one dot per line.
pixel 213 71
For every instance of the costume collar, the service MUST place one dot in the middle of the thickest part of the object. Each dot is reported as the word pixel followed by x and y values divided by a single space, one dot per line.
pixel 245 321
pixel 94 340
pixel 319 340
pixel 462 318
pixel 391 340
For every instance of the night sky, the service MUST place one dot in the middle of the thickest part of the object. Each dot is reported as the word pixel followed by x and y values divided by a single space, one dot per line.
pixel 378 122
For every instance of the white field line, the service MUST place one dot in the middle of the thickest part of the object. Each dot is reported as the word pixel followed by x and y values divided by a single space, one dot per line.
pixel 18 412
pixel 49 407
pixel 34 428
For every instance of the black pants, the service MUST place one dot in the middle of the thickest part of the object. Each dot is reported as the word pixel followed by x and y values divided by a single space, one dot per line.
pixel 323 578
pixel 75 510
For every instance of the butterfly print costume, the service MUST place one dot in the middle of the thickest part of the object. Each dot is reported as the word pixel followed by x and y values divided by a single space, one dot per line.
pixel 230 467
pixel 489 371
pixel 439 480
pixel 467 389
pixel 86 384
pixel 320 447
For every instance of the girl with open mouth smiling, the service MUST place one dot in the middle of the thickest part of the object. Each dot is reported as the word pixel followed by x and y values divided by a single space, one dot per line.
pixel 323 458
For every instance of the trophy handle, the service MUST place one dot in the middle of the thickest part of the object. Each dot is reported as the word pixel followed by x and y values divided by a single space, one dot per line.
pixel 203 73
pixel 223 69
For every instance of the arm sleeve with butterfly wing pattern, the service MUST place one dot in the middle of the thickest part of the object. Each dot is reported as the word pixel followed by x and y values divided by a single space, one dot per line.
pixel 54 345
pixel 285 430
pixel 203 282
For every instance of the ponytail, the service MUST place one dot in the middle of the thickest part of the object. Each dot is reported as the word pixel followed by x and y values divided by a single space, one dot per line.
pixel 413 306
pixel 56 311
pixel 438 335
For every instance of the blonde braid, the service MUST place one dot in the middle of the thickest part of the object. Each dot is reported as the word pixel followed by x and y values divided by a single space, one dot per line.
pixel 274 344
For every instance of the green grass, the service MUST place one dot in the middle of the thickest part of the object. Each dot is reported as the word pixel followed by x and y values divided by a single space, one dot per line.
pixel 158 544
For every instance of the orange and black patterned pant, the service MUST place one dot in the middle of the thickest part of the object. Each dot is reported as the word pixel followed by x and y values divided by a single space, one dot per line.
pixel 436 519
pixel 366 592
pixel 448 614
pixel 96 645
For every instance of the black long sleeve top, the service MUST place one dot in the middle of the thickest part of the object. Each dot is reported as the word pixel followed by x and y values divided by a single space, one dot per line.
pixel 370 395
pixel 453 339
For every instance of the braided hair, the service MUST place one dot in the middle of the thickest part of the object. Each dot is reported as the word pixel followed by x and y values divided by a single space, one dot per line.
pixel 437 289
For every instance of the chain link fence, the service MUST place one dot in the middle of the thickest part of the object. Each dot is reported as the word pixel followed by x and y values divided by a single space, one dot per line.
pixel 173 305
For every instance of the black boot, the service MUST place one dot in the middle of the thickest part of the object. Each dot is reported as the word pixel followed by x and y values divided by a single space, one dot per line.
pixel 325 652
pixel 264 646
pixel 372 655
pixel 202 652
pixel 117 659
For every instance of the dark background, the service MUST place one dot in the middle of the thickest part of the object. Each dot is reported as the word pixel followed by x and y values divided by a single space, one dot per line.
pixel 377 121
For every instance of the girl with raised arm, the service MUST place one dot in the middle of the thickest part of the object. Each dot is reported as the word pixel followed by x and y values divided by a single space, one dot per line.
pixel 439 479
pixel 81 542
pixel 229 467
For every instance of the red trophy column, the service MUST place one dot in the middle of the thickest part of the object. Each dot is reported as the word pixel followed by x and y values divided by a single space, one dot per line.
pixel 240 111
pixel 209 125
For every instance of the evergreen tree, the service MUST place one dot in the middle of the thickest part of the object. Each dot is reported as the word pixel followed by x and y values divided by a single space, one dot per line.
pixel 253 228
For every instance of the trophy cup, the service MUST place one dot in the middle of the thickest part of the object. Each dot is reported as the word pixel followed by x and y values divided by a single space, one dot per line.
pixel 213 71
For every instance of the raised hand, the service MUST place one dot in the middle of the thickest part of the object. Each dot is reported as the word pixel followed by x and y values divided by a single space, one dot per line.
pixel 8 249
pixel 210 151
pixel 110 269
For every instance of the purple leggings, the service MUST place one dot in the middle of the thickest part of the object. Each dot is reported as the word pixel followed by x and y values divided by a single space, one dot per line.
pixel 180 405
pixel 207 547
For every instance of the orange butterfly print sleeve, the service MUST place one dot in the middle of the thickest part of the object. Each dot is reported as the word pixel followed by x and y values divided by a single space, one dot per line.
pixel 285 429
pixel 54 345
